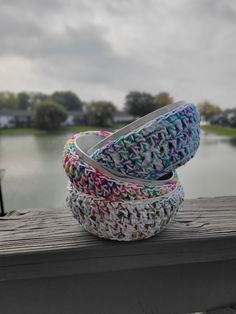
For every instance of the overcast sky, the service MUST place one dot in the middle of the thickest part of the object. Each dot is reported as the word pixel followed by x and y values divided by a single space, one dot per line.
pixel 101 49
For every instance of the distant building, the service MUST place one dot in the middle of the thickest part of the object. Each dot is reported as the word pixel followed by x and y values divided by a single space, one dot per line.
pixel 15 118
pixel 225 118
pixel 10 118
pixel 123 117
pixel 6 118
pixel 75 118
pixel 25 118
pixel 231 117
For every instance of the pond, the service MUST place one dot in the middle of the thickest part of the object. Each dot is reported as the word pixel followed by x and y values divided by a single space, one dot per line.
pixel 35 178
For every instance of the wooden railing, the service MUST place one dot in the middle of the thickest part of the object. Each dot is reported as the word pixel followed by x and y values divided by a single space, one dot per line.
pixel 48 264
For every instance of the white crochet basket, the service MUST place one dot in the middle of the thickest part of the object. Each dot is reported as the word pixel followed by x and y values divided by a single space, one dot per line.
pixel 124 221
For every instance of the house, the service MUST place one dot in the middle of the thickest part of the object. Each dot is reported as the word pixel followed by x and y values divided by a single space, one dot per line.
pixel 75 117
pixel 225 118
pixel 6 118
pixel 231 117
pixel 15 118
pixel 123 117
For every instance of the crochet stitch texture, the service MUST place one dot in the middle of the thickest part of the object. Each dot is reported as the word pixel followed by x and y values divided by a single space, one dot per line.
pixel 124 221
pixel 89 180
pixel 124 186
pixel 156 148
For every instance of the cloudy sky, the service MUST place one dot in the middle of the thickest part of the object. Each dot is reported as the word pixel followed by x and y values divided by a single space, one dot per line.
pixel 103 49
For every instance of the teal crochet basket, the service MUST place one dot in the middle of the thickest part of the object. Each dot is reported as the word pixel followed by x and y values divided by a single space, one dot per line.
pixel 154 145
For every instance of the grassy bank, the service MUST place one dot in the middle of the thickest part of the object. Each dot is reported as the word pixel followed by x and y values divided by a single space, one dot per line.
pixel 67 129
pixel 220 130
pixel 20 131
pixel 82 128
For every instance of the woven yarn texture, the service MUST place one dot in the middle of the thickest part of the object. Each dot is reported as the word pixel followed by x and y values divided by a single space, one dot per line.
pixel 89 180
pixel 124 221
pixel 158 147
pixel 127 188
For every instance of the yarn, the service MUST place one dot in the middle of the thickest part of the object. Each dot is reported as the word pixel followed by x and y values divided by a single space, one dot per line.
pixel 124 185
pixel 124 220
pixel 167 140
pixel 98 182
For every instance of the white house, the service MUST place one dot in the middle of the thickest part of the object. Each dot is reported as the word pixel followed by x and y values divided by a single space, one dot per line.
pixel 6 118
pixel 15 118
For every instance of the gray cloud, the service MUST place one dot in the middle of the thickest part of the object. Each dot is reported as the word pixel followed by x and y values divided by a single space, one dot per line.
pixel 105 48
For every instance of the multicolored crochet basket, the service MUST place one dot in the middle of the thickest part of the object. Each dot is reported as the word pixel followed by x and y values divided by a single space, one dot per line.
pixel 124 186
pixel 153 145
pixel 87 176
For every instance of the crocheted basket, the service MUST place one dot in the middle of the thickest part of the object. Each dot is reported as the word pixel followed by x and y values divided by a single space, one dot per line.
pixel 153 145
pixel 88 176
pixel 124 220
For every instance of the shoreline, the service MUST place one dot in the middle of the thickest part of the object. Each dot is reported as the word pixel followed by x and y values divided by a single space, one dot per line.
pixel 64 130
pixel 219 130
pixel 208 128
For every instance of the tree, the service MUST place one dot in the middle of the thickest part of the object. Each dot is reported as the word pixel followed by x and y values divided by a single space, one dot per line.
pixel 8 100
pixel 208 110
pixel 69 100
pixel 163 99
pixel 139 104
pixel 36 98
pixel 49 115
pixel 100 113
pixel 23 100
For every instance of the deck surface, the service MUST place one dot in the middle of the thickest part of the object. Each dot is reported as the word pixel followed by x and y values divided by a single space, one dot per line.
pixel 33 240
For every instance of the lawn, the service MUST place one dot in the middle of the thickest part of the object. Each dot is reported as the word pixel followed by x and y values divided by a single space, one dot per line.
pixel 20 131
pixel 81 128
pixel 67 129
pixel 221 130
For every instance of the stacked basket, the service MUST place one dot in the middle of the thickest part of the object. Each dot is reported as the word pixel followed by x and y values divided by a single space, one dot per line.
pixel 124 186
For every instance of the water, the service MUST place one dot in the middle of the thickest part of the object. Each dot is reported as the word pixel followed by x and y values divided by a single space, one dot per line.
pixel 35 178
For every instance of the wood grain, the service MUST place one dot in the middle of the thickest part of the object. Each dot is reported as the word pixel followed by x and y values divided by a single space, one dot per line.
pixel 38 243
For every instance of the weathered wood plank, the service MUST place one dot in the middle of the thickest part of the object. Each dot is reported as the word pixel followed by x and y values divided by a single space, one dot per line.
pixel 46 242
pixel 48 264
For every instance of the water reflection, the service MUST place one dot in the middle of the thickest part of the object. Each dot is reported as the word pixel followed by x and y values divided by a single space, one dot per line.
pixel 231 141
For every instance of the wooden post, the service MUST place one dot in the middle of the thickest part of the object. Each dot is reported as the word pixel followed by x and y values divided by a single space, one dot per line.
pixel 2 213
